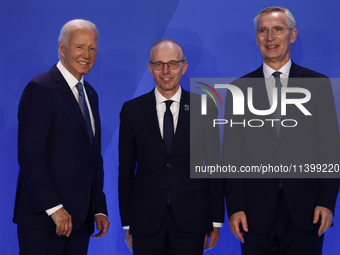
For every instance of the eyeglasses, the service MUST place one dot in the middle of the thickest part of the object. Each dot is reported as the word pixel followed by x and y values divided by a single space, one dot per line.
pixel 172 65
pixel 263 32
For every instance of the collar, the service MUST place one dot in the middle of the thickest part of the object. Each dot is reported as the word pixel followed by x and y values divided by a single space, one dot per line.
pixel 267 71
pixel 70 79
pixel 176 98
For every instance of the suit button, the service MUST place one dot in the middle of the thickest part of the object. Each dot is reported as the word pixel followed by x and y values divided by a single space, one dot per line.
pixel 164 187
pixel 279 151
pixel 89 183
pixel 168 165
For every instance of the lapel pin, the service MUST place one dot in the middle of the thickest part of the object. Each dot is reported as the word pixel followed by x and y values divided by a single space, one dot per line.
pixel 186 107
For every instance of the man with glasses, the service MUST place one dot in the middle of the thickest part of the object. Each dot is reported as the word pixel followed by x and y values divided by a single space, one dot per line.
pixel 281 216
pixel 162 210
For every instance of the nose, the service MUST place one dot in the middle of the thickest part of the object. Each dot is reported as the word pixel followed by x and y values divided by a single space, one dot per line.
pixel 270 35
pixel 86 53
pixel 166 69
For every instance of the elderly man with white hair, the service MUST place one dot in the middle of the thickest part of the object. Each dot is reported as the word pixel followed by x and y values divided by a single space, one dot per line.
pixel 60 182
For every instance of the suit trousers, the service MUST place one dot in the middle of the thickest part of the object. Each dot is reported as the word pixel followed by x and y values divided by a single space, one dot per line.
pixel 169 240
pixel 283 237
pixel 42 242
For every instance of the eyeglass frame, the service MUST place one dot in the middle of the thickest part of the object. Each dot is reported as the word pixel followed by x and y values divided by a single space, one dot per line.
pixel 271 30
pixel 167 63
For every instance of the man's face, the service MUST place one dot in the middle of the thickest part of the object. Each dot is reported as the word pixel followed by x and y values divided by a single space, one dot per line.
pixel 80 51
pixel 167 81
pixel 275 48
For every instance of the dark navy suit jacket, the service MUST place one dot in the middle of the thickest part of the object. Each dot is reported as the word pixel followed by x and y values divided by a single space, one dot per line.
pixel 58 165
pixel 147 174
pixel 314 140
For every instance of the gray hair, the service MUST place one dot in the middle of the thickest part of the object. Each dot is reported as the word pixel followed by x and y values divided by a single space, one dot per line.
pixel 73 25
pixel 166 40
pixel 290 21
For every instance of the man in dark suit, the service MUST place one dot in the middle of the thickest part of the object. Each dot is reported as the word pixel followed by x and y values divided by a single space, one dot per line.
pixel 60 183
pixel 162 210
pixel 281 216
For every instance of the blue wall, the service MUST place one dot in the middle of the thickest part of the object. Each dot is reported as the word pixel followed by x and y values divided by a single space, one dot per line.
pixel 217 36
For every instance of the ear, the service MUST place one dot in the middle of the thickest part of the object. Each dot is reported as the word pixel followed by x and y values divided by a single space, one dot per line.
pixel 185 67
pixel 61 49
pixel 150 68
pixel 257 39
pixel 293 35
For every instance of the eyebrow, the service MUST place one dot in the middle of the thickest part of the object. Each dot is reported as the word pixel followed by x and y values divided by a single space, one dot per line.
pixel 271 27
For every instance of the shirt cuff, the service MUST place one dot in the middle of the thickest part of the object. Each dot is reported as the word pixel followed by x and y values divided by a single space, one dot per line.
pixel 53 209
pixel 101 214
pixel 126 227
pixel 217 224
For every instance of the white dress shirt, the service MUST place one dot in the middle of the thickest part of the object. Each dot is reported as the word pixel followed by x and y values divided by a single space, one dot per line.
pixel 270 79
pixel 72 82
pixel 174 108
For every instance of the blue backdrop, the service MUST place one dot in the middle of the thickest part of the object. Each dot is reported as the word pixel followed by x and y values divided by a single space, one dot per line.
pixel 217 37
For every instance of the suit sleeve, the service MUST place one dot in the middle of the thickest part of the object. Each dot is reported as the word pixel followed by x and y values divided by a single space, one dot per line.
pixel 213 153
pixel 35 117
pixel 328 144
pixel 127 164
pixel 99 196
pixel 232 154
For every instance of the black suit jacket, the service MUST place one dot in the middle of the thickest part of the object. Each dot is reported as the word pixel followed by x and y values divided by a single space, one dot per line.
pixel 58 165
pixel 147 174
pixel 314 140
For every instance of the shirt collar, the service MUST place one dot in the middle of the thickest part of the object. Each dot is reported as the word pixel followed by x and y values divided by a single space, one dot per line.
pixel 176 98
pixel 267 71
pixel 70 79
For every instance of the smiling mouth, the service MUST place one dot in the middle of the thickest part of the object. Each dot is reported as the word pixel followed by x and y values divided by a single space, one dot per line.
pixel 82 63
pixel 271 46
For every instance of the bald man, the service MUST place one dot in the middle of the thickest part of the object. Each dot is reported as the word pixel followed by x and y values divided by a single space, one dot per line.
pixel 162 210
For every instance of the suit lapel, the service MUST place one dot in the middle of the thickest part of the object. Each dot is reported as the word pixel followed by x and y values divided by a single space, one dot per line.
pixel 66 92
pixel 183 120
pixel 260 98
pixel 152 120
pixel 93 104
pixel 295 72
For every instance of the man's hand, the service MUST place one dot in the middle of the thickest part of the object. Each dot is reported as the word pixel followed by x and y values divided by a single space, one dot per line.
pixel 103 225
pixel 213 237
pixel 128 239
pixel 63 221
pixel 326 218
pixel 234 224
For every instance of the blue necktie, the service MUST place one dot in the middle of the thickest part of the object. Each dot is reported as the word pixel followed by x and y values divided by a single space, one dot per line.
pixel 277 113
pixel 85 110
pixel 168 126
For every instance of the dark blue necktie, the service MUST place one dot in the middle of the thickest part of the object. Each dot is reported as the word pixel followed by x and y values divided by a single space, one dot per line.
pixel 168 126
pixel 277 113
pixel 85 110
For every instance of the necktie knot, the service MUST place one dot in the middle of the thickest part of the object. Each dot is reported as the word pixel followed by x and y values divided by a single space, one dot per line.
pixel 79 86
pixel 168 103
pixel 277 78
pixel 276 75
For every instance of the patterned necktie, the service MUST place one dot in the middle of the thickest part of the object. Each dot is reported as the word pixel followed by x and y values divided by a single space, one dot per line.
pixel 168 126
pixel 277 113
pixel 85 110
